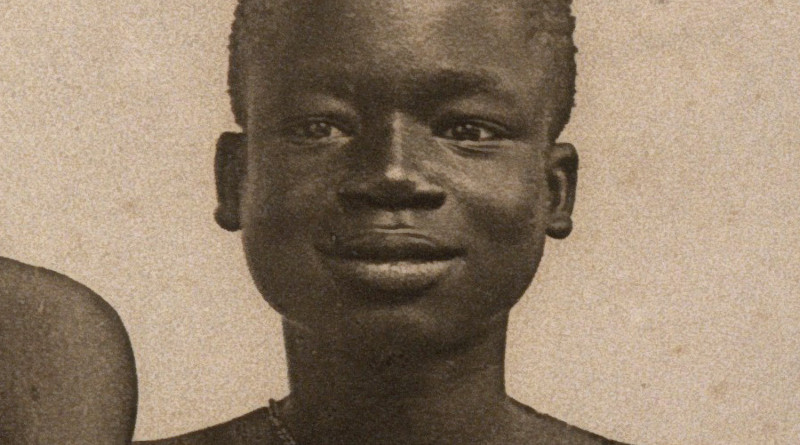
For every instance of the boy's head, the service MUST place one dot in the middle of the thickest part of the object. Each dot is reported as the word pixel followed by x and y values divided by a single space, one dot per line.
pixel 398 170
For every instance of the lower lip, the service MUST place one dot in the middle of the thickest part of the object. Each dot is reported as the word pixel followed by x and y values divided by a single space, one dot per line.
pixel 401 276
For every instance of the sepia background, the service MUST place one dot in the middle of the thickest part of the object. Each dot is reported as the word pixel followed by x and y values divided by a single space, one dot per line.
pixel 671 316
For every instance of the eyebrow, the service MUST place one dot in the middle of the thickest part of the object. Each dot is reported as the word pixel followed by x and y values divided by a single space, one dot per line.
pixel 451 84
pixel 439 85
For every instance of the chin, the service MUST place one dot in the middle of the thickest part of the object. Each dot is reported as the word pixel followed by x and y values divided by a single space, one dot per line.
pixel 411 329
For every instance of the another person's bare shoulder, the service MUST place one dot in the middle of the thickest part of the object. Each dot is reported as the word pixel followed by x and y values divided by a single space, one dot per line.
pixel 251 429
pixel 67 373
pixel 541 429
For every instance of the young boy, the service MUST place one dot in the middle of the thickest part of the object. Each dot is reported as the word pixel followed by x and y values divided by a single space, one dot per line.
pixel 395 181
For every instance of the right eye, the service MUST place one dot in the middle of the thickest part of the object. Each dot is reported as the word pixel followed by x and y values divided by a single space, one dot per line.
pixel 471 132
pixel 315 131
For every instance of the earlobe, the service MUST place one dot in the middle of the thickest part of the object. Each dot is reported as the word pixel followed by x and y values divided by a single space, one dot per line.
pixel 229 169
pixel 562 179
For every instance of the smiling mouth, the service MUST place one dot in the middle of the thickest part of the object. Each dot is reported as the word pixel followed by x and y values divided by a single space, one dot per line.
pixel 396 262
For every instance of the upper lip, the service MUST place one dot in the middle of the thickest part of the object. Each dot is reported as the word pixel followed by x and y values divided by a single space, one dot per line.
pixel 389 245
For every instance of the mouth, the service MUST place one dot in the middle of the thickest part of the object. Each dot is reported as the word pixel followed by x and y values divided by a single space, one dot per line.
pixel 393 261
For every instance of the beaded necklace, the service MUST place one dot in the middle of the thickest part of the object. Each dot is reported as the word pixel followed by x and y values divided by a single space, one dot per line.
pixel 277 426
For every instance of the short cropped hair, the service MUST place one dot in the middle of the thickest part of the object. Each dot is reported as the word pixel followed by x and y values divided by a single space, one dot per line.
pixel 550 33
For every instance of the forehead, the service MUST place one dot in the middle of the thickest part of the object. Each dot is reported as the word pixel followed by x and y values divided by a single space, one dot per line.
pixel 472 29
pixel 393 40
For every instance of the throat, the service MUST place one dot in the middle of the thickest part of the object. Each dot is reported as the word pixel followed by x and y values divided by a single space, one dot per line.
pixel 400 395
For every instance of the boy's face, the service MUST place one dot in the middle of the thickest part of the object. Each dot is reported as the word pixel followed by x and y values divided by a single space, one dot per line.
pixel 398 172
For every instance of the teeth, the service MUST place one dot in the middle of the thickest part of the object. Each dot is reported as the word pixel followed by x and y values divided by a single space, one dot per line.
pixel 403 268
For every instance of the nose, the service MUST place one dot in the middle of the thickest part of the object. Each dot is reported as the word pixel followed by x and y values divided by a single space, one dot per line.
pixel 391 175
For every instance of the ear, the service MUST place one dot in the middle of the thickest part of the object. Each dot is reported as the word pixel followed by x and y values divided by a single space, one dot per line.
pixel 562 179
pixel 229 169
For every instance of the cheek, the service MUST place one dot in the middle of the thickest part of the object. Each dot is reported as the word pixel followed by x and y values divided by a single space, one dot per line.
pixel 509 220
pixel 284 193
pixel 284 206
pixel 504 203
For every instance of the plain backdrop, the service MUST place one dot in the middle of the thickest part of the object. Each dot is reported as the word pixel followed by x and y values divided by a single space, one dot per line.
pixel 670 316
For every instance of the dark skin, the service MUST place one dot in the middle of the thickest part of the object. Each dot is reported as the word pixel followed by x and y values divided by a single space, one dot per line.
pixel 67 374
pixel 394 186
pixel 409 120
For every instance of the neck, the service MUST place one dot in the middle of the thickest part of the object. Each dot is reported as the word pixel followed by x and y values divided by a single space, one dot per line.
pixel 397 395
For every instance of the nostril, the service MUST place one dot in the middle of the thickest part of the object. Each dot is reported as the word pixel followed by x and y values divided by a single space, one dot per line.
pixel 431 200
pixel 393 195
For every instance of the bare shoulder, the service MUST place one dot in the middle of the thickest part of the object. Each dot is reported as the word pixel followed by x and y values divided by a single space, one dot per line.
pixel 43 303
pixel 543 429
pixel 252 428
pixel 23 285
pixel 67 373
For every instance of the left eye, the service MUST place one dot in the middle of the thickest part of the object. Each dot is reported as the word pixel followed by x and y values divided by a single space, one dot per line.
pixel 471 131
pixel 315 131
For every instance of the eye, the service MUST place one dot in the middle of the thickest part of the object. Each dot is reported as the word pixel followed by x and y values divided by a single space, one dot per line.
pixel 315 131
pixel 472 132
